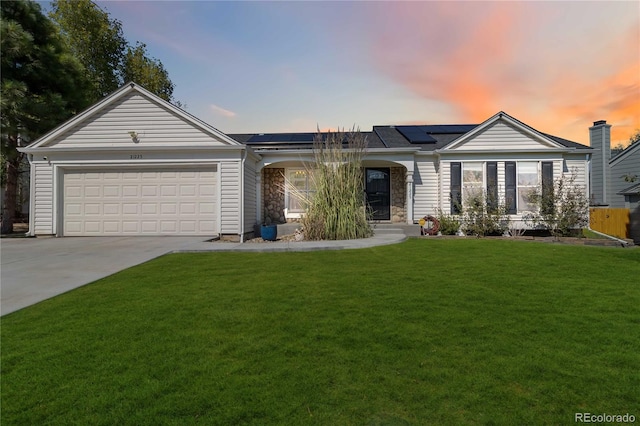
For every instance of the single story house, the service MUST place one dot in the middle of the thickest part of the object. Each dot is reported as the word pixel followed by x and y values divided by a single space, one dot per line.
pixel 134 164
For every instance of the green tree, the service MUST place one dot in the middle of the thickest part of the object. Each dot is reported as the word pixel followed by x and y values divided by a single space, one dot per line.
pixel 146 71
pixel 109 60
pixel 635 137
pixel 95 39
pixel 41 85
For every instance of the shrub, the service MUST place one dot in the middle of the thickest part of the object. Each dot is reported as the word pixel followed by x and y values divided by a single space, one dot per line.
pixel 561 208
pixel 449 224
pixel 483 216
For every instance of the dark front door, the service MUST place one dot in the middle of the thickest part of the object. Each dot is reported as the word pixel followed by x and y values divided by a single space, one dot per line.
pixel 378 189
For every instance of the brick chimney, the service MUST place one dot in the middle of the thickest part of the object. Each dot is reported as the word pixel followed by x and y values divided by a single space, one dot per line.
pixel 600 141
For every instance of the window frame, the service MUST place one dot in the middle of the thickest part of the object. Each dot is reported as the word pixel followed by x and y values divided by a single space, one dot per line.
pixel 288 198
pixel 526 208
pixel 477 185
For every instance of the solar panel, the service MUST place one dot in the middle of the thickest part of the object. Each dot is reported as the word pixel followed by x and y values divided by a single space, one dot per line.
pixel 445 129
pixel 259 138
pixel 415 134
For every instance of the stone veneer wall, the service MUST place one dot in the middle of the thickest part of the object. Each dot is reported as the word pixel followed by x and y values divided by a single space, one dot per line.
pixel 398 195
pixel 273 195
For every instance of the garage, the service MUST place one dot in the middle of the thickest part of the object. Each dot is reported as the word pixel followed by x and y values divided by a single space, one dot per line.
pixel 160 201
pixel 135 164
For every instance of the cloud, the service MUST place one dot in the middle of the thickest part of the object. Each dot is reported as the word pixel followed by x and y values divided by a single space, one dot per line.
pixel 557 68
pixel 221 111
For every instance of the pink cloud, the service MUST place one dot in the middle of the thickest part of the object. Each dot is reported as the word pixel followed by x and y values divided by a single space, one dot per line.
pixel 221 111
pixel 557 67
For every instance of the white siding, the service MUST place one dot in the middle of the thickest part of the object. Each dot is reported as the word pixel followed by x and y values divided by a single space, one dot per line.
pixel 578 168
pixel 42 216
pixel 154 124
pixel 501 136
pixel 628 165
pixel 230 197
pixel 445 188
pixel 250 200
pixel 425 200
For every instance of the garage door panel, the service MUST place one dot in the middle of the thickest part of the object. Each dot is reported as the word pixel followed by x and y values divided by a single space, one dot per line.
pixel 130 208
pixel 92 192
pixel 150 202
pixel 111 227
pixel 111 191
pixel 149 191
pixel 92 209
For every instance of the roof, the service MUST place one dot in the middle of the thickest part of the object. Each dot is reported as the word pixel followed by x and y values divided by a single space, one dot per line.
pixel 278 141
pixel 625 153
pixel 123 91
pixel 631 190
pixel 425 137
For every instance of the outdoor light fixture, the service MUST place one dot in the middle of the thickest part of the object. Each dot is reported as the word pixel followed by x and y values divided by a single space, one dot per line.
pixel 134 136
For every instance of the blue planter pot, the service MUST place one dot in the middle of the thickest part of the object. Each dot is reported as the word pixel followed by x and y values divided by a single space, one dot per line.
pixel 269 232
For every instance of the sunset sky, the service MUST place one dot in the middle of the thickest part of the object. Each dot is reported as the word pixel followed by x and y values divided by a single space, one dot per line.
pixel 292 66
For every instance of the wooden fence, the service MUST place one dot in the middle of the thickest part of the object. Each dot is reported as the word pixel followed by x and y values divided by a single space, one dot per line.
pixel 613 222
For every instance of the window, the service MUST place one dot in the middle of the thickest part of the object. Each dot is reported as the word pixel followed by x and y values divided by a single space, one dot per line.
pixel 299 188
pixel 527 183
pixel 472 180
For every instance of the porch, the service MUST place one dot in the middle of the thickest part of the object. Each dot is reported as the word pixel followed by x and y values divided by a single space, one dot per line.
pixel 385 185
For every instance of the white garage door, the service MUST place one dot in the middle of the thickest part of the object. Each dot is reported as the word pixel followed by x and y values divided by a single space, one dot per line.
pixel 148 202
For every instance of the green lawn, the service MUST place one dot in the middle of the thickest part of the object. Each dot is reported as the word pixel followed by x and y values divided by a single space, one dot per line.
pixel 467 331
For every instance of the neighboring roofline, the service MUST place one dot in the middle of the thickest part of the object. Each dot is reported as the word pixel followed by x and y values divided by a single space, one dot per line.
pixel 42 141
pixel 513 121
pixel 620 156
pixel 631 190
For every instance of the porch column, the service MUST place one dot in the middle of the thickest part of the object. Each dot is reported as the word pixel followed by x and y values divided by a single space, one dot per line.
pixel 259 196
pixel 409 192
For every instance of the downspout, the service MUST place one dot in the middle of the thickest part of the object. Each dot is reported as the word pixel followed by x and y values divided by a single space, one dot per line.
pixel 244 159
pixel 32 193
pixel 622 242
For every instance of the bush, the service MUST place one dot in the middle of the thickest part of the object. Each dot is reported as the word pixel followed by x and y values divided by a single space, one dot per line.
pixel 482 216
pixel 561 208
pixel 449 224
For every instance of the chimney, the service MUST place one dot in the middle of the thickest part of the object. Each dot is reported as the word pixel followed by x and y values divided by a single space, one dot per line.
pixel 600 141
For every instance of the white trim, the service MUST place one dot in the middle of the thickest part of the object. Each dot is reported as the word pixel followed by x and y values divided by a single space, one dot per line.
pixel 59 170
pixel 119 93
pixel 503 116
pixel 32 193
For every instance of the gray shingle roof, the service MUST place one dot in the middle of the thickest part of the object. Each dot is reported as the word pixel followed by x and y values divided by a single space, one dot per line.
pixel 380 137
pixel 278 141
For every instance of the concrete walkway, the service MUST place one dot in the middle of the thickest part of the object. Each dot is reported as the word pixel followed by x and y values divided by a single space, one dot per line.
pixel 36 269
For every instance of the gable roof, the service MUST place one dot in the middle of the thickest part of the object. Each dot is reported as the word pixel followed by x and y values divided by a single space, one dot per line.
pixel 625 153
pixel 518 125
pixel 114 97
pixel 631 190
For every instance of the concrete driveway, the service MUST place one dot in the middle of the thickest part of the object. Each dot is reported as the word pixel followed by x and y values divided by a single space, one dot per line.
pixel 36 269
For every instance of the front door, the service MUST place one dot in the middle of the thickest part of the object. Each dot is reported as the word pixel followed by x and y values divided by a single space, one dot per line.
pixel 378 190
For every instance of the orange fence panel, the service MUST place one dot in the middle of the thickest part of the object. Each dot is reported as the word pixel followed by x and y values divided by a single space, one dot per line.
pixel 613 222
